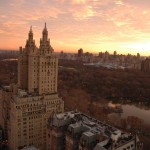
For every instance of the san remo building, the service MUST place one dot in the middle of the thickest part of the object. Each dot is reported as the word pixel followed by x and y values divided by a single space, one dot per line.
pixel 25 107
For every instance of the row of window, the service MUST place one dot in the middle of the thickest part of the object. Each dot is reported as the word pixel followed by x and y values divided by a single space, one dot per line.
pixel 47 90
pixel 36 104
pixel 28 105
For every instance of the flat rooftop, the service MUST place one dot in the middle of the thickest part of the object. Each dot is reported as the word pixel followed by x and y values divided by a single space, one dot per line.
pixel 102 130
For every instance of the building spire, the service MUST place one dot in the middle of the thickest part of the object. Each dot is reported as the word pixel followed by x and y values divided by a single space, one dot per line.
pixel 45 33
pixel 45 28
pixel 30 36
pixel 30 28
pixel 45 25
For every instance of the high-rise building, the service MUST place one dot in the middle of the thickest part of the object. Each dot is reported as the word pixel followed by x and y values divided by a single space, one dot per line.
pixel 145 65
pixel 80 52
pixel 106 56
pixel 115 54
pixel 77 131
pixel 27 105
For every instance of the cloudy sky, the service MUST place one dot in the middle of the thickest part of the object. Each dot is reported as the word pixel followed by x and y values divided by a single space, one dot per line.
pixel 94 25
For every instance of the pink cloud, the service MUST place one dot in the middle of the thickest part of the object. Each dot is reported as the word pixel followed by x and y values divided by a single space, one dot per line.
pixel 83 12
pixel 76 21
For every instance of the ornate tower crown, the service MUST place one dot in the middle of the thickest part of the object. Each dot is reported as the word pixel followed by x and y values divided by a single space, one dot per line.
pixel 30 37
pixel 45 29
pixel 45 33
pixel 30 46
pixel 45 47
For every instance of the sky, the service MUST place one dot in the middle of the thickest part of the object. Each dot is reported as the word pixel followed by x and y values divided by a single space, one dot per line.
pixel 93 25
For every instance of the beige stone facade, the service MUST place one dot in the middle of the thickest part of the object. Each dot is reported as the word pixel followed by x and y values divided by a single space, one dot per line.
pixel 37 68
pixel 29 104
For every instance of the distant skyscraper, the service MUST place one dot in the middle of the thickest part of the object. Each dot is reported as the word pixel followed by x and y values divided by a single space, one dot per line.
pixel 145 65
pixel 80 52
pixel 100 55
pixel 106 57
pixel 115 54
pixel 27 106
pixel 138 56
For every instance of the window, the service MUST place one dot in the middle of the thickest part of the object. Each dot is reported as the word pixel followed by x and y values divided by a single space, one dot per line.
pixel 24 119
pixel 128 147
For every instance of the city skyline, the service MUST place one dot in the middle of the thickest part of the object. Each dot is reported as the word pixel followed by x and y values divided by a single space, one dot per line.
pixel 95 25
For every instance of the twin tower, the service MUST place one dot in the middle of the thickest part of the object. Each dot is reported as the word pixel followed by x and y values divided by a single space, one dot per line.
pixel 26 107
pixel 45 47
pixel 38 67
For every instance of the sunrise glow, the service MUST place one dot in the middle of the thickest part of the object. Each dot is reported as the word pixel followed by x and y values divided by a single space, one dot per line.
pixel 94 25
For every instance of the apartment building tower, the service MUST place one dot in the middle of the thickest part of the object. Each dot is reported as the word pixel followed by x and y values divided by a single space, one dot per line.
pixel 27 105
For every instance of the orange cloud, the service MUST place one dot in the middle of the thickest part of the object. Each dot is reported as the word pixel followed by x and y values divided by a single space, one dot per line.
pixel 91 24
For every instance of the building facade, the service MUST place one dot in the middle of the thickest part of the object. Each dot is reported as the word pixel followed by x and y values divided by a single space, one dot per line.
pixel 27 105
pixel 77 131
pixel 145 65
